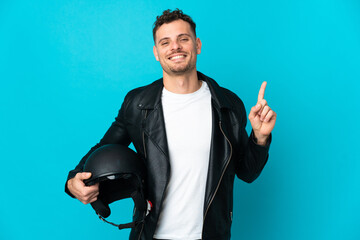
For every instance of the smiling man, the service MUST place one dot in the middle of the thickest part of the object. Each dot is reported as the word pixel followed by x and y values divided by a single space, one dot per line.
pixel 176 47
pixel 191 134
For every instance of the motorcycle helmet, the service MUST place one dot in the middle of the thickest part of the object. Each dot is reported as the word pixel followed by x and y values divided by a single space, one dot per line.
pixel 120 173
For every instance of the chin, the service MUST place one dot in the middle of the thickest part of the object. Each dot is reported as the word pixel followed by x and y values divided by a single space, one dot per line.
pixel 181 70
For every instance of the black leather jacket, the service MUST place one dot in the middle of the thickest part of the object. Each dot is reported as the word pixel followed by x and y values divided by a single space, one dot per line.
pixel 140 121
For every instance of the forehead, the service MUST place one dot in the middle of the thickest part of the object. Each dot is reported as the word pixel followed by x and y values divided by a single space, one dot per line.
pixel 173 29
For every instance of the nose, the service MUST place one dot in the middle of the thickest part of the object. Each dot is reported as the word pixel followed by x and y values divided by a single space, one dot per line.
pixel 175 45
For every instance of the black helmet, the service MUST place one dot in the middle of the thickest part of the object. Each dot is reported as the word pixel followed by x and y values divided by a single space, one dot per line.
pixel 120 173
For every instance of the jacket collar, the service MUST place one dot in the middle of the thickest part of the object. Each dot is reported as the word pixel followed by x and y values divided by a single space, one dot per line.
pixel 152 96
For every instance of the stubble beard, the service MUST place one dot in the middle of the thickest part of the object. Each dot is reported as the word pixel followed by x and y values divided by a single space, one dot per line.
pixel 178 70
pixel 181 70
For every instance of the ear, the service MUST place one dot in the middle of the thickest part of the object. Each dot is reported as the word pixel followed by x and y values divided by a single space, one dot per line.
pixel 198 45
pixel 155 53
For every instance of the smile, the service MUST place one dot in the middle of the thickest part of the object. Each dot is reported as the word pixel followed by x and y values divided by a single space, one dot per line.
pixel 177 57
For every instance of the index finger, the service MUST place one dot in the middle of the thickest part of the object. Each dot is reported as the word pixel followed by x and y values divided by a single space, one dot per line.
pixel 262 91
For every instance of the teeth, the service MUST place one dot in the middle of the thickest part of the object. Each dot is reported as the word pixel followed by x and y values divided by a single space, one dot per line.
pixel 177 57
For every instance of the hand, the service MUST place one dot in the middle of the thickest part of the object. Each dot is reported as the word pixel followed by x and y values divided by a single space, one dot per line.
pixel 86 194
pixel 262 118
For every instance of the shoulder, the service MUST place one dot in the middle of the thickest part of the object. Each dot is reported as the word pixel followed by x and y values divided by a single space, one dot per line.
pixel 223 96
pixel 231 104
pixel 144 94
pixel 138 99
pixel 138 92
pixel 237 106
pixel 233 98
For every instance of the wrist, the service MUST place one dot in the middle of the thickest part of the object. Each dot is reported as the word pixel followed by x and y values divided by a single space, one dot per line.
pixel 262 142
pixel 260 139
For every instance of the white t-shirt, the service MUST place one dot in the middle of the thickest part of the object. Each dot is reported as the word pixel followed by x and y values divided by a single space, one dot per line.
pixel 188 123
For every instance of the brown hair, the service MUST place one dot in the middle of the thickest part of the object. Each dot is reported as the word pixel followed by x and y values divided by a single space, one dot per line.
pixel 170 16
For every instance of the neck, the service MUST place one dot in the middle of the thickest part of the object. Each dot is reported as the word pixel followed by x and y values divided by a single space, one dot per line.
pixel 182 84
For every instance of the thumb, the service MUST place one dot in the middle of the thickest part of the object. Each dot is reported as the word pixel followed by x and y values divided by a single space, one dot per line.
pixel 84 175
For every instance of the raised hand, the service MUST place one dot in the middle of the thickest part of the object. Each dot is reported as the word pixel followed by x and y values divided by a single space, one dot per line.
pixel 262 118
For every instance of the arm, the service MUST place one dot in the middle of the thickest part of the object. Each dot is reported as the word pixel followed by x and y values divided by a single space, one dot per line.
pixel 254 153
pixel 118 134
pixel 252 156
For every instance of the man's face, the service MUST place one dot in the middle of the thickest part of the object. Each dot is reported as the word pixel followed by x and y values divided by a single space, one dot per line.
pixel 176 47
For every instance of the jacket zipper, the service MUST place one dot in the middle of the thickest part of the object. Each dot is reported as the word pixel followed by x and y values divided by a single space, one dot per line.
pixel 143 138
pixel 217 187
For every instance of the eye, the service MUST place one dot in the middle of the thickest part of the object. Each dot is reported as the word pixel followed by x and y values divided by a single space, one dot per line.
pixel 184 39
pixel 164 43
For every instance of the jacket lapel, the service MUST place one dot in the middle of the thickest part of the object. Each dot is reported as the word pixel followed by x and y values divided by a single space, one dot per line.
pixel 153 122
pixel 154 127
pixel 156 147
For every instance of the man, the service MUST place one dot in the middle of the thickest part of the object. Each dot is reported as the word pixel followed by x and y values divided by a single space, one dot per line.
pixel 191 134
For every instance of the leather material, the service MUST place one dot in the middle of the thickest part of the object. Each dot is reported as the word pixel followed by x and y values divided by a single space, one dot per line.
pixel 141 121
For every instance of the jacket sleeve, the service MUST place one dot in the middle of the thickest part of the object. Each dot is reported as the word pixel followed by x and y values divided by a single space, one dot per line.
pixel 116 134
pixel 251 157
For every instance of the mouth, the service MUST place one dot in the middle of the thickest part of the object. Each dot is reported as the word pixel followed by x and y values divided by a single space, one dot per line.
pixel 177 57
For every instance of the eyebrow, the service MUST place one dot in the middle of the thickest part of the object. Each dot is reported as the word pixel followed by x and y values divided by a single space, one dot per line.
pixel 180 35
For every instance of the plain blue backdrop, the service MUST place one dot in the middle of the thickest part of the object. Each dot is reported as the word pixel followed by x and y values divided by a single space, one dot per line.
pixel 65 67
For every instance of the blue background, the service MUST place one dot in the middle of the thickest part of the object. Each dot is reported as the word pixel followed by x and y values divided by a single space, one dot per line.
pixel 65 67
